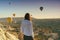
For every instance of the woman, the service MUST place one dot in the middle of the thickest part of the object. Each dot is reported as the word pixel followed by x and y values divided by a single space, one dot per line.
pixel 26 27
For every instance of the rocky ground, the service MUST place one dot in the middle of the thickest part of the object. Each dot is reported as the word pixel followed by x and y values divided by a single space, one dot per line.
pixel 6 35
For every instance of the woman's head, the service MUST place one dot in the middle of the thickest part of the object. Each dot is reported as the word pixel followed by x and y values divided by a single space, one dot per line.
pixel 27 16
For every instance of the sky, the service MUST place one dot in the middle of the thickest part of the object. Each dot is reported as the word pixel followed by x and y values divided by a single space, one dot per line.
pixel 51 8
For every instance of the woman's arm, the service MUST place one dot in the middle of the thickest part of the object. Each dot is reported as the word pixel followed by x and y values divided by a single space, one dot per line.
pixel 20 35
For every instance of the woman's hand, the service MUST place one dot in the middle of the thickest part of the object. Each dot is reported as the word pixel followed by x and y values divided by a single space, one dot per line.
pixel 20 36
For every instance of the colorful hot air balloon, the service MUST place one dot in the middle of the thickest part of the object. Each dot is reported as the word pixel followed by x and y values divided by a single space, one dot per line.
pixel 9 20
pixel 41 8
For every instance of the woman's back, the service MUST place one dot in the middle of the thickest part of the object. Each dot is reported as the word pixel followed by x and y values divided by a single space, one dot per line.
pixel 26 27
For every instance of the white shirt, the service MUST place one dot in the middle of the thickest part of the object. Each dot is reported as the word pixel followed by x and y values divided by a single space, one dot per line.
pixel 26 28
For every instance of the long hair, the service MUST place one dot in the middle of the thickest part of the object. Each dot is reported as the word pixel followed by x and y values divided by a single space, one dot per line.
pixel 27 16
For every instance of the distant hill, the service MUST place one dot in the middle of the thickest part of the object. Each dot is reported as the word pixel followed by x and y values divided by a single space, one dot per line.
pixel 5 19
pixel 53 24
pixel 34 19
pixel 39 22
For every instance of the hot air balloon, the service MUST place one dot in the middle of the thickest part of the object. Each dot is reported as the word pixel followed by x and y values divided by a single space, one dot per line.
pixel 14 18
pixel 9 20
pixel 41 8
pixel 14 14
pixel 9 3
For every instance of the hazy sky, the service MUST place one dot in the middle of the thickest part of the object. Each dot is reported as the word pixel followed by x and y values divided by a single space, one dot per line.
pixel 20 7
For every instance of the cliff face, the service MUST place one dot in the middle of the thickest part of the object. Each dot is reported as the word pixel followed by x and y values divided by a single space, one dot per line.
pixel 5 35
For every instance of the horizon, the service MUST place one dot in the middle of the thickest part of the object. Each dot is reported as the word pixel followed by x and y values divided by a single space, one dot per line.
pixel 51 8
pixel 32 18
